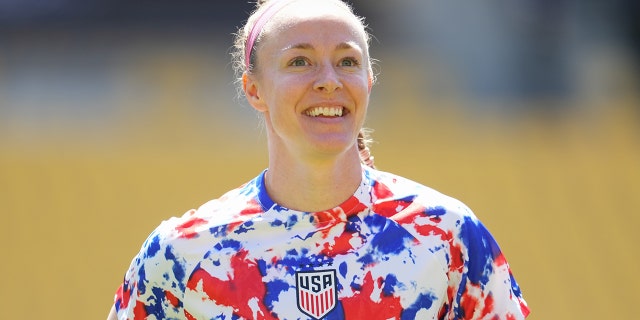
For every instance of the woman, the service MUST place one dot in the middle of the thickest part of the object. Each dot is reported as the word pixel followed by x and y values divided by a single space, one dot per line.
pixel 319 234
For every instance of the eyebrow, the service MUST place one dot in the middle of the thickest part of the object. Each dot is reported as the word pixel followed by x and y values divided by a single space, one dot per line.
pixel 308 46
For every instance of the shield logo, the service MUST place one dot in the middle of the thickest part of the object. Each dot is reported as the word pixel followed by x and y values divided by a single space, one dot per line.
pixel 316 292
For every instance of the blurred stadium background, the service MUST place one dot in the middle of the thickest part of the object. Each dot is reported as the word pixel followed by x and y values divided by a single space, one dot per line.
pixel 115 115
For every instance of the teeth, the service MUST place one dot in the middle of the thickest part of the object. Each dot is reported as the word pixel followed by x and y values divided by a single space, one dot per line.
pixel 325 111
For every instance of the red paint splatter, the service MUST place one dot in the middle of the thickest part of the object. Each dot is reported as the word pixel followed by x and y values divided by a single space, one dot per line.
pixel 443 311
pixel 341 245
pixel 140 311
pixel 361 306
pixel 500 260
pixel 188 228
pixel 123 295
pixel 245 283
pixel 524 308
pixel 381 191
pixel 188 315
pixel 252 208
pixel 350 207
pixel 455 253
pixel 488 306
pixel 353 206
pixel 173 300
pixel 451 292
pixel 390 208
pixel 469 304
pixel 431 230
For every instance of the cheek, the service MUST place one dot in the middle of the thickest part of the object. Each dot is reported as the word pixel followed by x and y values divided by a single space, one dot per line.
pixel 288 90
pixel 281 100
pixel 360 86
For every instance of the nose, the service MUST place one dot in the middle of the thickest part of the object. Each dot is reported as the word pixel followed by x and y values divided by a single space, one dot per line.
pixel 328 79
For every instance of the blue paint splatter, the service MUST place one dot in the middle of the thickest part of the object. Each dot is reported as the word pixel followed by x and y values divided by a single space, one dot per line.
pixel 219 231
pixel 168 253
pixel 408 199
pixel 391 237
pixel 424 301
pixel 262 266
pixel 244 228
pixel 228 244
pixel 274 288
pixel 482 250
pixel 390 282
pixel 458 310
pixel 235 317
pixel 291 221
pixel 177 268
pixel 155 307
pixel 342 269
pixel 153 247
pixel 356 286
pixel 436 211
pixel 366 260
pixel 353 224
pixel 142 279
pixel 514 286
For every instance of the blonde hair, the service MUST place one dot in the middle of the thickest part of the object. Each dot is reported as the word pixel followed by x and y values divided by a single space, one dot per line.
pixel 243 33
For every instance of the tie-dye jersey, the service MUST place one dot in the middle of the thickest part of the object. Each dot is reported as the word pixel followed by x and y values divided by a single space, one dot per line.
pixel 394 250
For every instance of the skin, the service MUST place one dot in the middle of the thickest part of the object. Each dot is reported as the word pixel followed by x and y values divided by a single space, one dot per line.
pixel 112 314
pixel 312 54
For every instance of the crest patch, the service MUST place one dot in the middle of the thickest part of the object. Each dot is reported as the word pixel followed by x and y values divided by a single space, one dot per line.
pixel 316 292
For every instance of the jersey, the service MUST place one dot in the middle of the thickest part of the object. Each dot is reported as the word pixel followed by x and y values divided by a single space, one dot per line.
pixel 394 250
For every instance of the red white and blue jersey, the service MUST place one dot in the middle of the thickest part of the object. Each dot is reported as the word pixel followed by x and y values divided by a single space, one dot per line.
pixel 394 250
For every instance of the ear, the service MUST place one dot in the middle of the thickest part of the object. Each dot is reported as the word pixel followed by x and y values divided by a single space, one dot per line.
pixel 252 92
pixel 370 80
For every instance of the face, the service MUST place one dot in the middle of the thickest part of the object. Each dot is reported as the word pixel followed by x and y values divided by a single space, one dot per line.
pixel 312 80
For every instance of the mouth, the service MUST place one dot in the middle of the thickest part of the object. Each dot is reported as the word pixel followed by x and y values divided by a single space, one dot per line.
pixel 325 112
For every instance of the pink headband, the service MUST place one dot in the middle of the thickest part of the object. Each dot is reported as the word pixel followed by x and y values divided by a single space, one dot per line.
pixel 273 7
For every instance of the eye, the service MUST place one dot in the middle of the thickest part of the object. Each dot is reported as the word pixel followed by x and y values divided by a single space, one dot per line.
pixel 298 62
pixel 349 62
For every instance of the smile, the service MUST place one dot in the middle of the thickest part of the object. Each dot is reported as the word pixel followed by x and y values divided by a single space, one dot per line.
pixel 325 112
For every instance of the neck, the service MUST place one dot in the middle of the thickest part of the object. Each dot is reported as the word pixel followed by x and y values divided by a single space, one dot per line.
pixel 313 185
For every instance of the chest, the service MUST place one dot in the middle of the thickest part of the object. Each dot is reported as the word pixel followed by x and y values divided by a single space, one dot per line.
pixel 346 270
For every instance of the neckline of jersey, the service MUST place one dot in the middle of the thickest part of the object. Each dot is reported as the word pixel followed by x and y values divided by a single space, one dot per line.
pixel 357 202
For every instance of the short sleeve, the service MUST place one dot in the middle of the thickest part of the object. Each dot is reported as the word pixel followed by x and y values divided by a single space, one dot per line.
pixel 153 286
pixel 486 288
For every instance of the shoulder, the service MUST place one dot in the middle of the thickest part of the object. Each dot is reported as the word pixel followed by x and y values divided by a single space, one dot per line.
pixel 429 215
pixel 158 273
pixel 209 220
pixel 178 241
pixel 476 268
pixel 157 276
pixel 394 194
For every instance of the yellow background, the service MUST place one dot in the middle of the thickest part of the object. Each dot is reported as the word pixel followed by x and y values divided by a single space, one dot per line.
pixel 559 190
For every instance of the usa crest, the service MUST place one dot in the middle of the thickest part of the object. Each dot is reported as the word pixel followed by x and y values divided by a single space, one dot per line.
pixel 316 292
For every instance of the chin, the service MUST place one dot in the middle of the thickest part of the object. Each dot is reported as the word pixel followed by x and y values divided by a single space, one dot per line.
pixel 333 145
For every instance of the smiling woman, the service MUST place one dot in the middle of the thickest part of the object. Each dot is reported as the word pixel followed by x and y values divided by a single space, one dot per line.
pixel 319 233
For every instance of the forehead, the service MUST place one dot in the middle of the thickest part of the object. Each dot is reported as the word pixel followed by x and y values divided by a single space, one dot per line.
pixel 314 19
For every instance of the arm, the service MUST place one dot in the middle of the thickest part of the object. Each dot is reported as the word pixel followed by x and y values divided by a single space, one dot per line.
pixel 112 314
pixel 487 288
